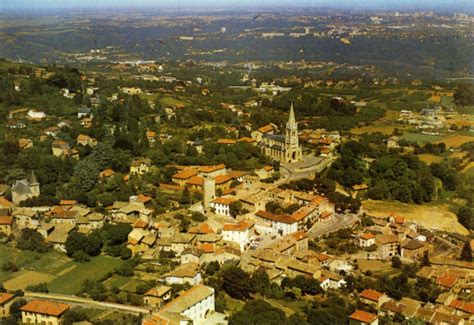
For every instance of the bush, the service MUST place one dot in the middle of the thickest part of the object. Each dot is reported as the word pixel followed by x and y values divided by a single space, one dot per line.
pixel 9 267
pixel 41 287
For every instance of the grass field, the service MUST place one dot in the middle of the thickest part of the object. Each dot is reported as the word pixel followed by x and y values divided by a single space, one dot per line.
pixel 171 102
pixel 375 266
pixel 436 217
pixel 95 269
pixel 469 169
pixel 456 140
pixel 429 158
pixel 116 281
pixel 420 138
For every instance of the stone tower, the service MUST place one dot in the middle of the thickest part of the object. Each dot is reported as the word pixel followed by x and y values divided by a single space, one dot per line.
pixel 293 150
pixel 34 185
pixel 209 191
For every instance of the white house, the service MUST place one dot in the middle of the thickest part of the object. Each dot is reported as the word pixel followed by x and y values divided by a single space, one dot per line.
pixel 221 205
pixel 36 115
pixel 185 273
pixel 366 239
pixel 282 225
pixel 239 233
pixel 198 303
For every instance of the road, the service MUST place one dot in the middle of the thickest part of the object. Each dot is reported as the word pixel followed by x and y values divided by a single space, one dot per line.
pixel 84 302
pixel 340 221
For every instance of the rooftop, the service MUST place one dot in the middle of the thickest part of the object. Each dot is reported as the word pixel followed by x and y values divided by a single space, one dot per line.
pixel 45 308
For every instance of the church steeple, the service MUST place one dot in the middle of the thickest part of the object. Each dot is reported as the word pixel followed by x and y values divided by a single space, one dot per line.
pixel 291 119
pixel 33 180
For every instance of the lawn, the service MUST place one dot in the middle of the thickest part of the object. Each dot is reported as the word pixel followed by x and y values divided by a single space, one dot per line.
pixel 132 285
pixel 171 102
pixel 433 216
pixel 71 282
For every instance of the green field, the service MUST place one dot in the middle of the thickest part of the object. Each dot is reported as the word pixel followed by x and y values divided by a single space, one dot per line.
pixel 116 281
pixel 420 138
pixel 71 281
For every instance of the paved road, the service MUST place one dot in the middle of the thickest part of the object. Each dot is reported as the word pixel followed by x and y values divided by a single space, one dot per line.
pixel 340 221
pixel 87 302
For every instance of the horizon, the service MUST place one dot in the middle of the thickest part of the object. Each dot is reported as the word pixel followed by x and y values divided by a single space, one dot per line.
pixel 186 5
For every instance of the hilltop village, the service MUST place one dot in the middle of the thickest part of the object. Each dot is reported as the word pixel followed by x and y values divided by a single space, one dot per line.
pixel 131 194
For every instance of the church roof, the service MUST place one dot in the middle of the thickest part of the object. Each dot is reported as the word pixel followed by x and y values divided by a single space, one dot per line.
pixel 22 187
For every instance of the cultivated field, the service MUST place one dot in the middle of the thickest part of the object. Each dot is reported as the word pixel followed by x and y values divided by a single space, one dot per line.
pixel 429 158
pixel 385 129
pixel 71 281
pixel 436 217
pixel 27 278
pixel 420 138
pixel 457 140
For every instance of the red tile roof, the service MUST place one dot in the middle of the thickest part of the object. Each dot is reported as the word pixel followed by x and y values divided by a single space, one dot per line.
pixel 5 297
pixel 447 280
pixel 202 228
pixel 367 236
pixel 196 180
pixel 372 295
pixel 45 308
pixel 265 129
pixel 185 174
pixel 240 226
pixel 223 200
pixel 363 316
pixel 6 220
pixel 464 306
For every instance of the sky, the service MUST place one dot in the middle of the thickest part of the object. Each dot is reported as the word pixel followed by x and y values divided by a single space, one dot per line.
pixel 217 4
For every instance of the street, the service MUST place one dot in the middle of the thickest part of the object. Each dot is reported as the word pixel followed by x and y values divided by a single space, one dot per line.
pixel 340 221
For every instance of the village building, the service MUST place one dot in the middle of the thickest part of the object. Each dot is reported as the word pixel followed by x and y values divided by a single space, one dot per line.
pixel 284 148
pixel 373 297
pixel 140 166
pixel 221 205
pixel 6 300
pixel 26 218
pixel 366 240
pixel 196 304
pixel 360 317
pixel 43 312
pixel 85 140
pixel 25 189
pixel 157 296
pixel 184 273
pixel 6 224
pixel 239 233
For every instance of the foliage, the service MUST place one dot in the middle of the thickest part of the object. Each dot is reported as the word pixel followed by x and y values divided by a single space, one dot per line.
pixel 31 240
pixel 236 283
pixel 258 312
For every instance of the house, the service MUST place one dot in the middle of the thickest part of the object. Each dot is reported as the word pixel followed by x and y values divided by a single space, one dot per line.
pixel 388 245
pixel 366 240
pixel 331 280
pixel 85 140
pixel 86 122
pixel 258 134
pixel 281 225
pixel 151 137
pixel 25 218
pixel 370 297
pixel 35 115
pixel 182 241
pixel 25 143
pixel 239 233
pixel 83 112
pixel 106 174
pixel 6 300
pixel 43 312
pixel 6 223
pixel 52 131
pixel 25 189
pixel 59 236
pixel 184 273
pixel 140 166
pixel 60 148
pixel 191 255
pixel 156 296
pixel 221 205
pixel 415 249
pixel 197 303
pixel 360 317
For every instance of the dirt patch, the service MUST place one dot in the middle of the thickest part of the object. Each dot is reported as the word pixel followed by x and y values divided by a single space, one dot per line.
pixel 436 217
pixel 373 265
pixel 26 279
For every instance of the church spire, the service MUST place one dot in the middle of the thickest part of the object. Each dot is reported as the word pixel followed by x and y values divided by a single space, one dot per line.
pixel 291 119
pixel 33 180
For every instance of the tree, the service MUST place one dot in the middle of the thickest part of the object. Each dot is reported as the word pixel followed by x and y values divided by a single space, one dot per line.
pixel 466 253
pixel 33 241
pixel 396 262
pixel 73 315
pixel 236 283
pixel 235 208
pixel 260 281
pixel 258 312
pixel 466 217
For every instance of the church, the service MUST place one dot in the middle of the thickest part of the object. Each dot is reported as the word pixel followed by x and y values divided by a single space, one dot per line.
pixel 25 189
pixel 284 148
